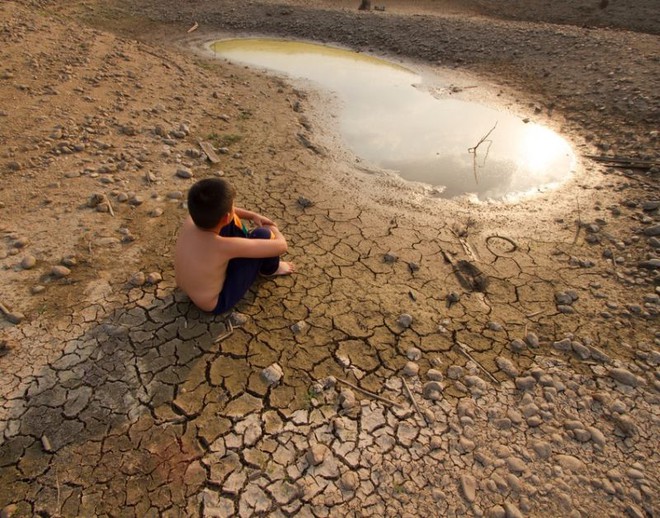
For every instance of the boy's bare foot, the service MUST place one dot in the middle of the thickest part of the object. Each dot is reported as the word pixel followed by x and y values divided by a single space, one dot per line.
pixel 282 269
pixel 285 268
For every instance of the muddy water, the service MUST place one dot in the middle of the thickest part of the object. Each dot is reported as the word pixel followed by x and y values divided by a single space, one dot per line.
pixel 389 118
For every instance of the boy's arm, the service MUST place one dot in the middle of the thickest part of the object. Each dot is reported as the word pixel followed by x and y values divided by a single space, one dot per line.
pixel 255 248
pixel 255 218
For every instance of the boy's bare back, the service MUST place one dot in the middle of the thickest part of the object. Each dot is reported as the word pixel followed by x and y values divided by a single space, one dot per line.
pixel 200 265
pixel 201 258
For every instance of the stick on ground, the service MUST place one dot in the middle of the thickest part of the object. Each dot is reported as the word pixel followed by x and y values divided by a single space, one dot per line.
pixel 412 399
pixel 463 348
pixel 370 394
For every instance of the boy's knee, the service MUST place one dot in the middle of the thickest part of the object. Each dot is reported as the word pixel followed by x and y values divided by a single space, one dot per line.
pixel 261 233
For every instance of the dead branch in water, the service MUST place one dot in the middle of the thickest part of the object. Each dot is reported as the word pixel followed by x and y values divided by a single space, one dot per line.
pixel 483 139
pixel 473 151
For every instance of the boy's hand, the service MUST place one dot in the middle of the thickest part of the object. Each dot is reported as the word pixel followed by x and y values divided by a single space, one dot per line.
pixel 263 221
pixel 257 219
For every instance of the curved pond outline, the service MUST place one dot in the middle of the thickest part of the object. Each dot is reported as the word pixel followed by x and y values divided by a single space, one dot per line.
pixel 389 118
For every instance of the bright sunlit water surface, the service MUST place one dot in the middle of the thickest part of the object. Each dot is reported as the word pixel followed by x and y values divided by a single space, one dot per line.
pixel 388 118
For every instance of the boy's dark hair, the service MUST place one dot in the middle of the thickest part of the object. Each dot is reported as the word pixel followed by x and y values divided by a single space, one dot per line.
pixel 209 200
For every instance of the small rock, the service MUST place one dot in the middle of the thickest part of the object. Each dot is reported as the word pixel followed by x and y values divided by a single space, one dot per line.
pixel 507 367
pixel 543 449
pixel 563 299
pixel 626 377
pixel 532 340
pixel 410 369
pixel 652 231
pixel 434 375
pixel 563 345
pixel 625 424
pixel 38 288
pixel 405 320
pixel 596 435
pixel 329 382
pixel 136 200
pixel 305 202
pixel 347 399
pixel 97 199
pixel 517 346
pixel 570 463
pixel 414 354
pixel 495 326
pixel 316 454
pixel 137 279
pixel 174 195
pixel 60 271
pixel 497 511
pixel 452 298
pixel 525 383
pixel 436 443
pixel 390 258
pixel 582 351
pixel 28 262
pixel 651 264
pixel 598 354
pixel 154 278
pixel 238 319
pixel 300 327
pixel 343 360
pixel 433 390
pixel 349 481
pixel 512 510
pixel 272 374
pixel 45 443
pixel 455 372
pixel 69 261
pixel 184 172
pixel 469 487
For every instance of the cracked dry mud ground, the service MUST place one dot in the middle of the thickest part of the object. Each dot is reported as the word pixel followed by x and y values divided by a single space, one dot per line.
pixel 118 399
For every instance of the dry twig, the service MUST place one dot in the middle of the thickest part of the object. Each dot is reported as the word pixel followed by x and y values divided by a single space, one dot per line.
pixel 230 330
pixel 412 399
pixel 464 349
pixel 370 394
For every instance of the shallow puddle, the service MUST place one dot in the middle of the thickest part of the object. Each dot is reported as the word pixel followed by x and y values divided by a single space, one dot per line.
pixel 388 117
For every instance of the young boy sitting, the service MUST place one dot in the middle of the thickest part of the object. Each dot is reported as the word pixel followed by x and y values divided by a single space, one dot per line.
pixel 217 259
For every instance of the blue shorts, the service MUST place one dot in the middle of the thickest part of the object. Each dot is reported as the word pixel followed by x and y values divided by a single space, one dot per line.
pixel 243 271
